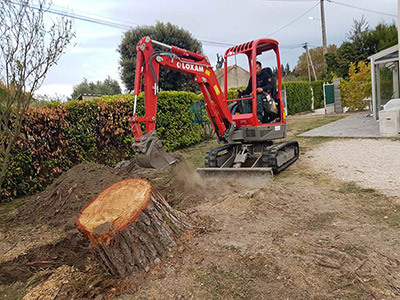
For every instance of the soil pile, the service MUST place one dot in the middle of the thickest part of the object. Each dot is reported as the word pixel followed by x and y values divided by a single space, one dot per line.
pixel 60 203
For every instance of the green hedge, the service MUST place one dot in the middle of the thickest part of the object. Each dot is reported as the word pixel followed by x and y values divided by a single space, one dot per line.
pixel 318 93
pixel 56 137
pixel 298 95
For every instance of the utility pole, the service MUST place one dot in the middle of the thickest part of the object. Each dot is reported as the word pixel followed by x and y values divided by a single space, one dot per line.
pixel 324 47
pixel 309 62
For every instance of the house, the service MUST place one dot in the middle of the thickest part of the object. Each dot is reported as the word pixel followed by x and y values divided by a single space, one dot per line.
pixel 85 96
pixel 237 77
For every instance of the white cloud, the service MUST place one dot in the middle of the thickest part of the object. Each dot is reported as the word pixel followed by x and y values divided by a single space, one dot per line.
pixel 95 56
pixel 62 90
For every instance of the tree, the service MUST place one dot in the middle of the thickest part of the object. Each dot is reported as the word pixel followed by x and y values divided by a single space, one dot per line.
pixel 165 33
pixel 317 58
pixel 361 43
pixel 107 87
pixel 357 87
pixel 287 70
pixel 382 37
pixel 29 47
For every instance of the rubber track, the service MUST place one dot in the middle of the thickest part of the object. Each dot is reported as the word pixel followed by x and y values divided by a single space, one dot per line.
pixel 269 156
pixel 210 160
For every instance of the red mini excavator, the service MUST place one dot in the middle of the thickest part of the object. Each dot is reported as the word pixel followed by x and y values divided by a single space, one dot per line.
pixel 248 143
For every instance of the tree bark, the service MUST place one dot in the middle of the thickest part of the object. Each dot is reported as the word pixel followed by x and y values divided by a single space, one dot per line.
pixel 130 225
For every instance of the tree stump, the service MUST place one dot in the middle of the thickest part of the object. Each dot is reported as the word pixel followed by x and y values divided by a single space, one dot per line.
pixel 130 225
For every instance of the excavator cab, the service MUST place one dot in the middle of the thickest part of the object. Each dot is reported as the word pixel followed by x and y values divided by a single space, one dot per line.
pixel 266 106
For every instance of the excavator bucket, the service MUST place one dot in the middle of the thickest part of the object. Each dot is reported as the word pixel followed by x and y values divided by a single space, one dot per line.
pixel 150 152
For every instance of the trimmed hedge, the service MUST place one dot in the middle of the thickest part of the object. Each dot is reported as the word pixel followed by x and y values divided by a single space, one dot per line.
pixel 54 138
pixel 318 93
pixel 298 94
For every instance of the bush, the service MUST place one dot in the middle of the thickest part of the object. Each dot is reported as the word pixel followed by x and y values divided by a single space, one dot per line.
pixel 232 94
pixel 53 139
pixel 318 91
pixel 298 94
pixel 357 87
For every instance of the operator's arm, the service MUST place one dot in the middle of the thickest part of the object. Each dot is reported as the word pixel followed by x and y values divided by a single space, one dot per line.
pixel 247 91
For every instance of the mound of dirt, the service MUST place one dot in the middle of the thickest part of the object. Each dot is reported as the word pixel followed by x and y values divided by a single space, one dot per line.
pixel 59 205
pixel 61 202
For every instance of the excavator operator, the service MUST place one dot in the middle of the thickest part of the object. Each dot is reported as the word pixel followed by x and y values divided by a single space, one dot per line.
pixel 264 84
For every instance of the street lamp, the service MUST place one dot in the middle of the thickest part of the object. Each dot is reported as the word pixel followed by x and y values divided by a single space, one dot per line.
pixel 315 19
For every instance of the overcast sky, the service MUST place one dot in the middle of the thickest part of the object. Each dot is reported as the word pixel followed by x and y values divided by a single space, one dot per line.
pixel 93 52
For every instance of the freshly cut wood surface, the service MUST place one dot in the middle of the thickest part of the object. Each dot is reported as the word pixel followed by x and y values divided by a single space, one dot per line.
pixel 115 207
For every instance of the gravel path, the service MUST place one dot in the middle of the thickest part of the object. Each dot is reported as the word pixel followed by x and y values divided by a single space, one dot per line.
pixel 368 162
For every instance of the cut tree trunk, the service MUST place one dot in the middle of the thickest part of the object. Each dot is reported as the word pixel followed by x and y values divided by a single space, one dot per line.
pixel 130 225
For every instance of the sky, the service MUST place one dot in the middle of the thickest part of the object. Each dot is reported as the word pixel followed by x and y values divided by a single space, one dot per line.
pixel 218 24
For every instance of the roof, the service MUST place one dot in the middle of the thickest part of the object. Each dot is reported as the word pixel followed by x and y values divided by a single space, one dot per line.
pixel 387 55
pixel 80 97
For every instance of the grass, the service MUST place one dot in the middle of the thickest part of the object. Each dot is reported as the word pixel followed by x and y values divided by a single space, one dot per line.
pixel 13 291
pixel 223 284
pixel 240 279
pixel 373 203
pixel 356 251
pixel 388 215
pixel 195 154
pixel 8 211
pixel 297 125
pixel 352 188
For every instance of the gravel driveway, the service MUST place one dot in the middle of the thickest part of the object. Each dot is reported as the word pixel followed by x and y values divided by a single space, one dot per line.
pixel 370 163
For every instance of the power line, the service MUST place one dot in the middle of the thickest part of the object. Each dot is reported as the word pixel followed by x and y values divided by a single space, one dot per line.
pixel 339 3
pixel 117 24
pixel 299 17
pixel 96 15
pixel 288 0
pixel 288 50
pixel 361 8
pixel 77 16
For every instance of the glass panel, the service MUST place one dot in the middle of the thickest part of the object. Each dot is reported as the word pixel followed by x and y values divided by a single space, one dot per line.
pixel 387 86
pixel 238 72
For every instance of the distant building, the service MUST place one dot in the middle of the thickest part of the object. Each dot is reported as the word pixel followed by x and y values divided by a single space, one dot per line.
pixel 87 96
pixel 237 77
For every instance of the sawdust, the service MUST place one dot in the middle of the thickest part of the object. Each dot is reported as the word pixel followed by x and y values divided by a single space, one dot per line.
pixel 50 289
